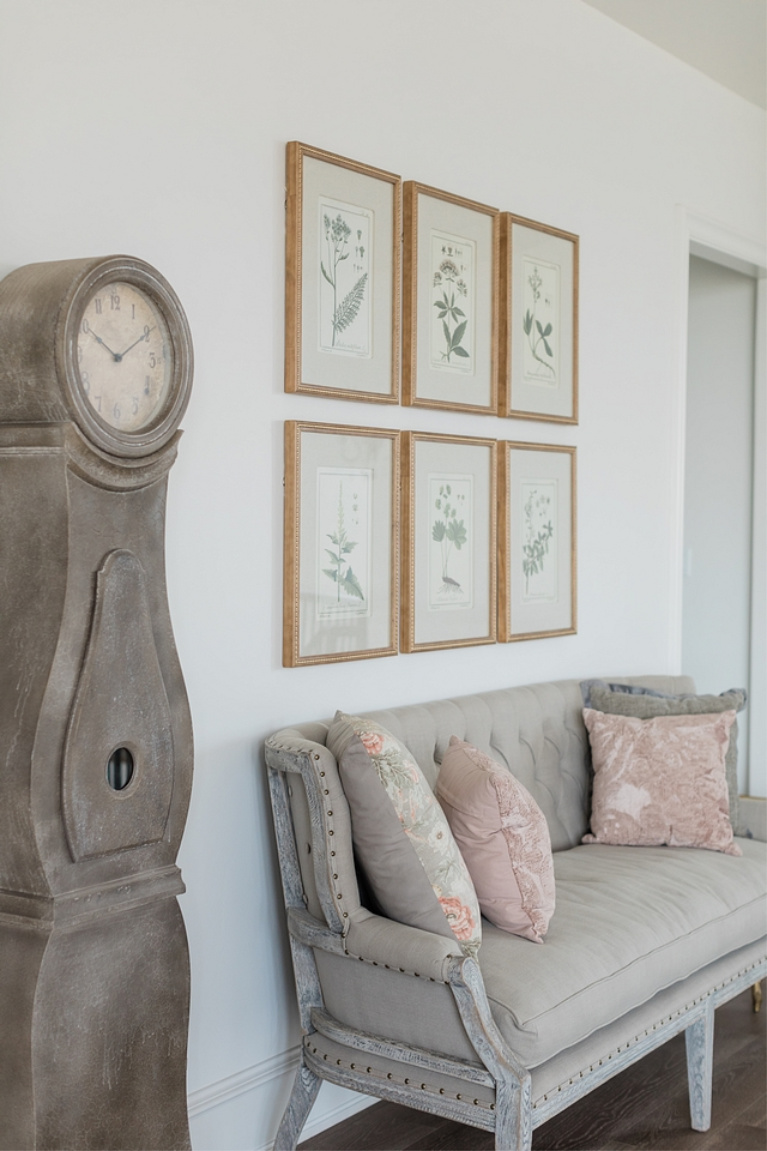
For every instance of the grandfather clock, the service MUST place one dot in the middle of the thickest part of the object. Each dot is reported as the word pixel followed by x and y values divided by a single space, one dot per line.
pixel 95 732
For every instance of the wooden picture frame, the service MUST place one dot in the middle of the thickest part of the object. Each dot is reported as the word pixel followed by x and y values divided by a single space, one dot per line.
pixel 448 541
pixel 341 560
pixel 451 276
pixel 342 277
pixel 537 577
pixel 539 321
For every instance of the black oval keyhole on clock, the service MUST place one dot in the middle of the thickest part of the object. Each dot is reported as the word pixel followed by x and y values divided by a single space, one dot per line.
pixel 120 769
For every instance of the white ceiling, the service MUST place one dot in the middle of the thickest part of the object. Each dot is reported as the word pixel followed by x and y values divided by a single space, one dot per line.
pixel 726 39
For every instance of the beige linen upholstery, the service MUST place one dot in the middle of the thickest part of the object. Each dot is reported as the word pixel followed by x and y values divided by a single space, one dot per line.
pixel 753 817
pixel 629 922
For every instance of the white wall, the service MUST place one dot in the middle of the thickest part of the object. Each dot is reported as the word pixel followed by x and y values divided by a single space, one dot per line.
pixel 158 129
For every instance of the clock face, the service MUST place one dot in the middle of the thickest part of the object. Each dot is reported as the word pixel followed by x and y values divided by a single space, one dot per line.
pixel 124 356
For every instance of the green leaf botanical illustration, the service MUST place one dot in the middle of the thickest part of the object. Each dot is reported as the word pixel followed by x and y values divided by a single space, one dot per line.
pixel 341 572
pixel 337 234
pixel 448 531
pixel 535 331
pixel 536 545
pixel 350 305
pixel 449 280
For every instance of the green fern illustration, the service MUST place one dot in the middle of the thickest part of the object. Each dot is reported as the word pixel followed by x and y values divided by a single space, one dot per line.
pixel 350 305
pixel 337 235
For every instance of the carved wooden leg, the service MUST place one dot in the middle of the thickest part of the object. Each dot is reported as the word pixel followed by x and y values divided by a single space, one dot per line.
pixel 513 1117
pixel 305 1087
pixel 513 1090
pixel 756 991
pixel 699 1038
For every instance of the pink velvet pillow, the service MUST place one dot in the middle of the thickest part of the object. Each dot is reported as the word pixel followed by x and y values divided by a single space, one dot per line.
pixel 661 780
pixel 503 837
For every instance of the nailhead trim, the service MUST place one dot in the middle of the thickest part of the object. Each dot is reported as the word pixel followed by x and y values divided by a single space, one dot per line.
pixel 649 1030
pixel 388 967
pixel 402 1082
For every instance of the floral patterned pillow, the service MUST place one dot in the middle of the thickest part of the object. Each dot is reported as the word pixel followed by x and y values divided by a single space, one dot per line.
pixel 402 839
pixel 504 838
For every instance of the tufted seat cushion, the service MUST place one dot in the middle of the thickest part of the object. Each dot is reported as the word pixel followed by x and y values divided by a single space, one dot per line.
pixel 629 922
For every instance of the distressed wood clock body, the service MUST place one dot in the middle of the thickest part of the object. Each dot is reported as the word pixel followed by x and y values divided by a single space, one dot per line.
pixel 95 731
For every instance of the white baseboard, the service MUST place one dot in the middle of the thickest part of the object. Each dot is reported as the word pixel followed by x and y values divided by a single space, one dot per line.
pixel 262 1077
pixel 242 1081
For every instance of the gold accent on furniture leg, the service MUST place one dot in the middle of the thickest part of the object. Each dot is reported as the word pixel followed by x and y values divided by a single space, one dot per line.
pixel 756 991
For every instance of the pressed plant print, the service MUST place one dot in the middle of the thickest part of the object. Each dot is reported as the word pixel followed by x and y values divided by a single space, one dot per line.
pixel 453 294
pixel 539 547
pixel 344 259
pixel 451 543
pixel 541 322
pixel 343 526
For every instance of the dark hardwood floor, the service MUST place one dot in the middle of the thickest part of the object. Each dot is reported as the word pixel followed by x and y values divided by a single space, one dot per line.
pixel 645 1107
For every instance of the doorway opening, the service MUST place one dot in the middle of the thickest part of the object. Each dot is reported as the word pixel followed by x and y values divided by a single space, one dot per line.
pixel 724 584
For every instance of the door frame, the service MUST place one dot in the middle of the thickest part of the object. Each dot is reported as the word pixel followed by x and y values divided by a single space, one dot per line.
pixel 700 235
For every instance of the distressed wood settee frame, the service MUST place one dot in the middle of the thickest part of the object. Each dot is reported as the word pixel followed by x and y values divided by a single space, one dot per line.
pixel 324 916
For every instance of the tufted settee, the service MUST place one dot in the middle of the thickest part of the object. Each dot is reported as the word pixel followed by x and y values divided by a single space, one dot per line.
pixel 645 942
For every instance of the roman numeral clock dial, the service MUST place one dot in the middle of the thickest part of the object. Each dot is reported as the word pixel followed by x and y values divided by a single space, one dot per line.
pixel 124 356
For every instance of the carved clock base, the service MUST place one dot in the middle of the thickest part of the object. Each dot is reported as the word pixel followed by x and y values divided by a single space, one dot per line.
pixel 100 1006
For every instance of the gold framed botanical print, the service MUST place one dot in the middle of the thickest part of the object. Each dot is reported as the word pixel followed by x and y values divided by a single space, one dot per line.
pixel 340 572
pixel 539 321
pixel 448 541
pixel 450 301
pixel 536 541
pixel 342 277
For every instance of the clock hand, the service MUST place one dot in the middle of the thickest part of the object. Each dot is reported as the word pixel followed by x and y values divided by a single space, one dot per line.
pixel 99 340
pixel 145 336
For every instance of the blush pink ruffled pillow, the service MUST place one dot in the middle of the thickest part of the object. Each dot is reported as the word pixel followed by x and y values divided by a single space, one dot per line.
pixel 503 837
pixel 660 781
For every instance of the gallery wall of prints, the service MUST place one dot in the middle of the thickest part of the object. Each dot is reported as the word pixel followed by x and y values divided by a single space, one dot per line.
pixel 403 294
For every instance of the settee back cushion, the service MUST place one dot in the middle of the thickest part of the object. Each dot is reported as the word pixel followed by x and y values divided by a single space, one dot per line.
pixel 536 731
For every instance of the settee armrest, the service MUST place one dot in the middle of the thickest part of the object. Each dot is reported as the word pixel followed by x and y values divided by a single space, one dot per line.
pixel 291 741
pixel 753 817
pixel 387 943
pixel 381 942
